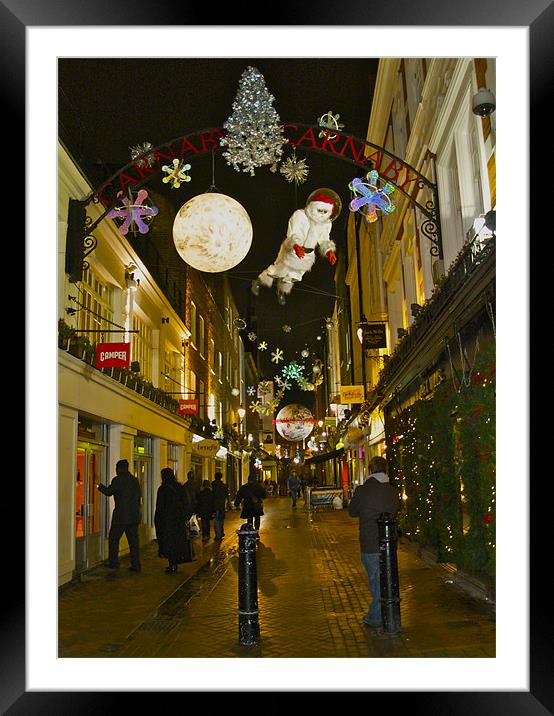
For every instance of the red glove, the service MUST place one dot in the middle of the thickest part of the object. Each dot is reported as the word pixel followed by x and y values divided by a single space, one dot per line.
pixel 299 251
pixel 332 258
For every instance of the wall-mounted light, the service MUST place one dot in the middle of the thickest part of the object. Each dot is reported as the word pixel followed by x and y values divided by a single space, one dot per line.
pixel 242 412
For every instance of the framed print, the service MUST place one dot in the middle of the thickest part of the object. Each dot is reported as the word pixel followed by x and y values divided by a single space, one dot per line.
pixel 34 679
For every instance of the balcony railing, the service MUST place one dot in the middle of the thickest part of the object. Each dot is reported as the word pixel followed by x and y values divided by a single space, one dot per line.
pixel 472 256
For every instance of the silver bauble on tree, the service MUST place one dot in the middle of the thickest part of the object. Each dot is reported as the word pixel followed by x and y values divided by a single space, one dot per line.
pixel 254 132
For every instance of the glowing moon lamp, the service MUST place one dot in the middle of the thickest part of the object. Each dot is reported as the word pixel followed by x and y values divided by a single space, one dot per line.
pixel 294 422
pixel 212 232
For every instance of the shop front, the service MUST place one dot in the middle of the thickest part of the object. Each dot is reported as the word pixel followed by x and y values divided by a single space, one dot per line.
pixel 90 471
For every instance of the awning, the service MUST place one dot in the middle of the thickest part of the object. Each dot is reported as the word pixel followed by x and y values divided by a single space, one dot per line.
pixel 324 456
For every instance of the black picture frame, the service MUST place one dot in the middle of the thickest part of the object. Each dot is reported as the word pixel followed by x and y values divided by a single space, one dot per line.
pixel 537 16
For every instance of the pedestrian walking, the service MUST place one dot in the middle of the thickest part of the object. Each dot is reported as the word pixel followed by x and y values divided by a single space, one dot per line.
pixel 191 491
pixel 293 484
pixel 369 500
pixel 220 493
pixel 171 517
pixel 251 495
pixel 125 489
pixel 205 509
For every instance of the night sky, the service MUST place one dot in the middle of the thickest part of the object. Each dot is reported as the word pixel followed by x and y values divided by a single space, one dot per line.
pixel 107 106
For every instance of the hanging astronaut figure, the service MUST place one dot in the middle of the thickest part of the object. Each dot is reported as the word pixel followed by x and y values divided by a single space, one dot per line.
pixel 308 229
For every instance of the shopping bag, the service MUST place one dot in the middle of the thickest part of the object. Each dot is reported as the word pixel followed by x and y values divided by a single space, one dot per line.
pixel 194 526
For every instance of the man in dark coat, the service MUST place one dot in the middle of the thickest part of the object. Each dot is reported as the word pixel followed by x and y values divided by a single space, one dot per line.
pixel 372 498
pixel 125 489
pixel 171 518
pixel 191 491
pixel 251 495
pixel 220 493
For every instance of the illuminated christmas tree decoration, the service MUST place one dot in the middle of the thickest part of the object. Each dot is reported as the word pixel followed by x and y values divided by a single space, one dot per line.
pixel 176 174
pixel 254 132
pixel 371 196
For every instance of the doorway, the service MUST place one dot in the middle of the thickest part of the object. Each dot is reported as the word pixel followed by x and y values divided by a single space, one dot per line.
pixel 88 507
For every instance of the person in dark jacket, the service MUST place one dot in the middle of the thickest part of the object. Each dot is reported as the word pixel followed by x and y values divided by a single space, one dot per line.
pixel 205 509
pixel 369 500
pixel 171 521
pixel 191 491
pixel 220 492
pixel 126 492
pixel 251 495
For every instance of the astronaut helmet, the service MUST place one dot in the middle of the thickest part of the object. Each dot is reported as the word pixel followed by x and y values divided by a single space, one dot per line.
pixel 323 205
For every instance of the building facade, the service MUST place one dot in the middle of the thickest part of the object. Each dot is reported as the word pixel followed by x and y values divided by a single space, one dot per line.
pixel 181 345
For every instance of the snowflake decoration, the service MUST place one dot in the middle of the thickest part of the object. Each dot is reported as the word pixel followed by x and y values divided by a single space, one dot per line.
pixel 294 170
pixel 329 121
pixel 280 394
pixel 252 390
pixel 272 405
pixel 287 328
pixel 293 371
pixel 371 196
pixel 262 346
pixel 277 355
pixel 177 174
pixel 145 161
pixel 252 336
pixel 133 212
pixel 255 406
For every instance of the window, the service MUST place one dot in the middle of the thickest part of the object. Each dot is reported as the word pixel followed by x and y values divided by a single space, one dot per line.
pixel 141 347
pixel 96 308
pixel 212 356
pixel 173 371
pixel 201 400
pixel 193 335
pixel 201 336
pixel 220 366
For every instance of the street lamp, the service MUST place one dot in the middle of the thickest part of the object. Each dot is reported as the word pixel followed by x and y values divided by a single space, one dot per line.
pixel 242 412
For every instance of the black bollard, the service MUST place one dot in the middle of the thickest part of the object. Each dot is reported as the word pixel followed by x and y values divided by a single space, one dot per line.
pixel 249 629
pixel 388 573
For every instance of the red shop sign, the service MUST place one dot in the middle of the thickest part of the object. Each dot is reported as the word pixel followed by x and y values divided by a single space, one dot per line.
pixel 113 355
pixel 188 407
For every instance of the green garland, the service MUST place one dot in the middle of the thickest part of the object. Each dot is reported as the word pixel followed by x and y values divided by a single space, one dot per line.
pixel 441 451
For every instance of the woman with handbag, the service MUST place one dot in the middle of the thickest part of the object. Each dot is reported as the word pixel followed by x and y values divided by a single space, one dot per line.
pixel 252 496
pixel 171 522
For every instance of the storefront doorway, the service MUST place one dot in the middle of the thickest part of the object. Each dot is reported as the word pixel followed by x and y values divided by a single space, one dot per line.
pixel 88 507
pixel 142 469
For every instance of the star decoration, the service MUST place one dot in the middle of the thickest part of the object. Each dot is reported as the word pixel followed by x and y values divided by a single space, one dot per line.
pixel 176 174
pixel 277 355
pixel 138 150
pixel 133 211
pixel 329 121
pixel 371 196
pixel 262 346
pixel 294 170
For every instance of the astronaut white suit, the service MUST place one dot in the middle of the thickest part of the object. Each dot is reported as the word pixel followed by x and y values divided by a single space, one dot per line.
pixel 308 230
